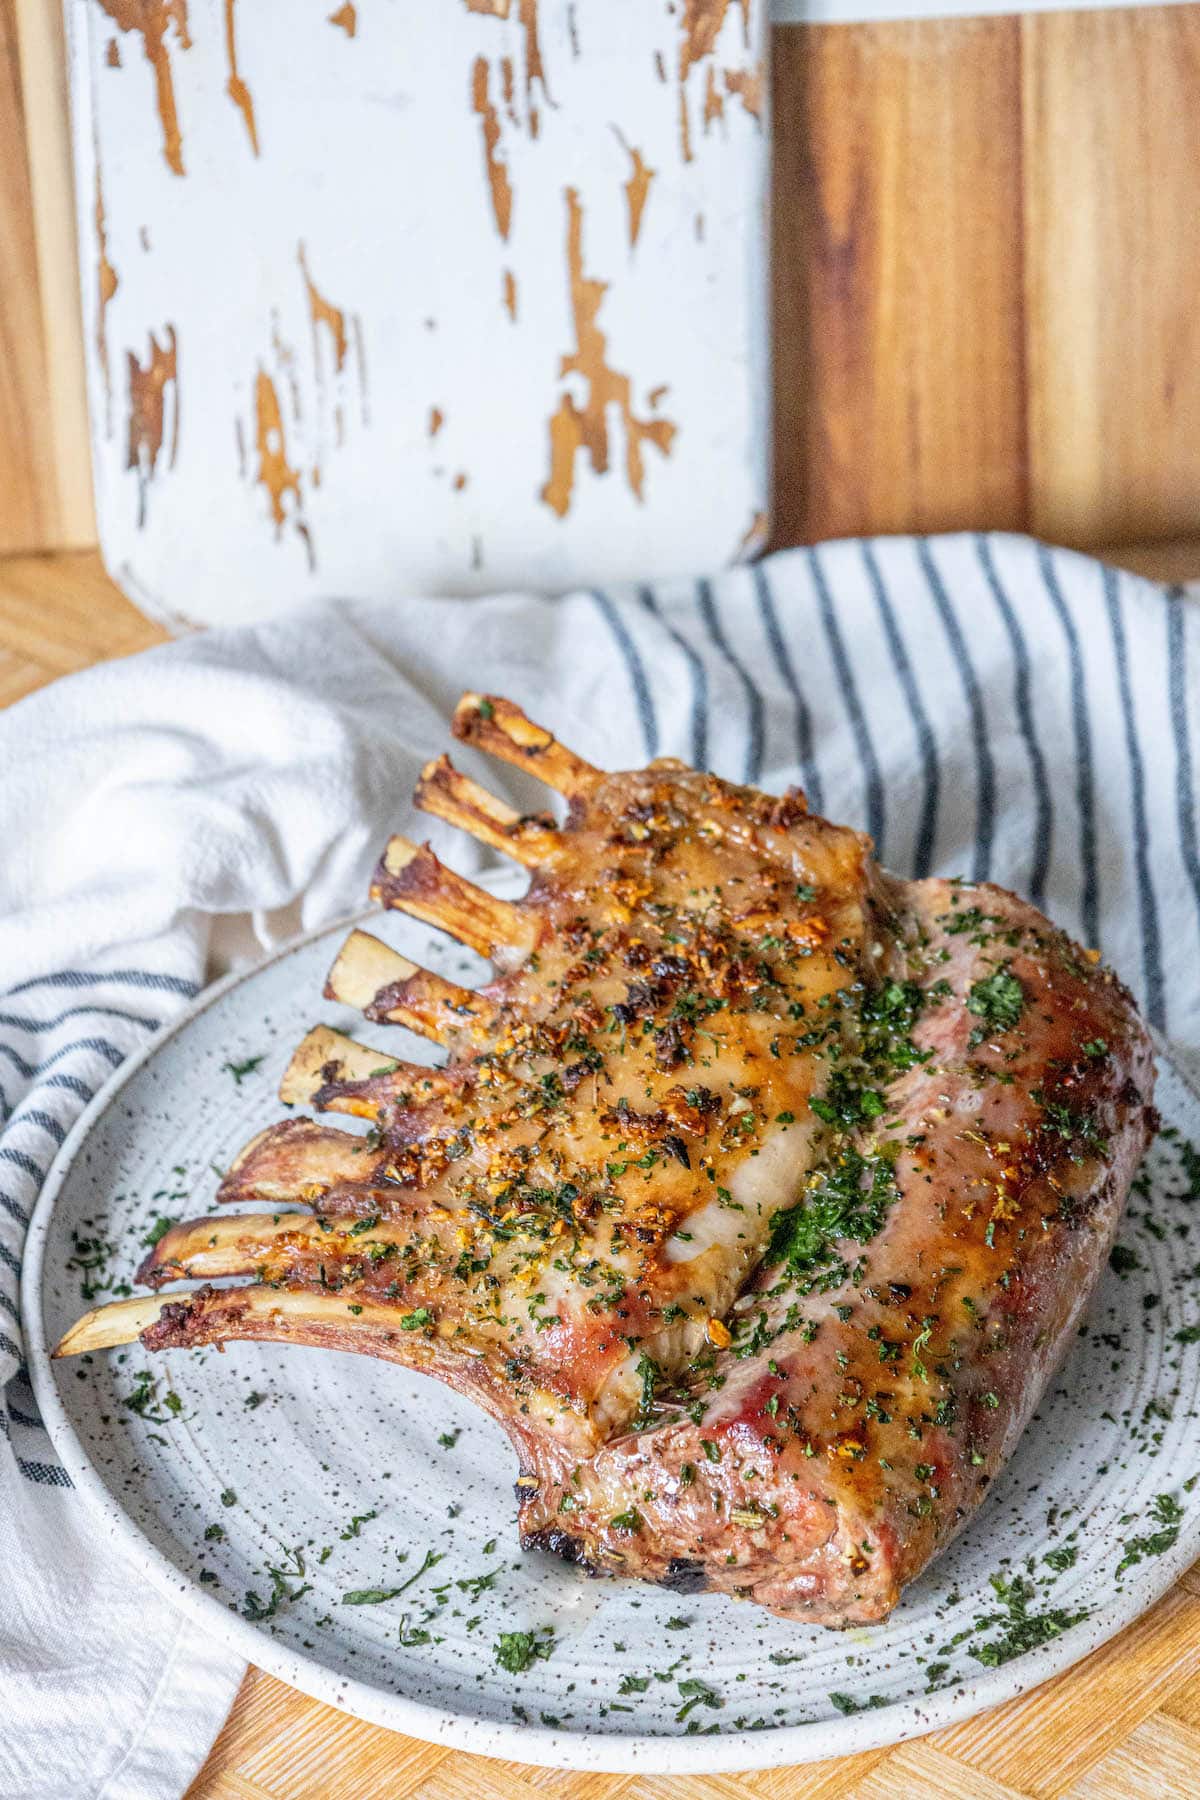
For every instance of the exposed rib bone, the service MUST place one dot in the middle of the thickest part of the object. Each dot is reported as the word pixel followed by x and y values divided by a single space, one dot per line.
pixel 299 1160
pixel 387 986
pixel 294 1315
pixel 106 1326
pixel 411 878
pixel 214 1315
pixel 336 1074
pixel 364 967
pixel 234 1244
pixel 452 796
pixel 301 1316
pixel 502 729
pixel 326 1056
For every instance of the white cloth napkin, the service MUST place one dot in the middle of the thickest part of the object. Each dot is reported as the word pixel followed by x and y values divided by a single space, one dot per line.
pixel 981 705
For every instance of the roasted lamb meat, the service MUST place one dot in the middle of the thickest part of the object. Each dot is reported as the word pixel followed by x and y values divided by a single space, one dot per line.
pixel 757 1198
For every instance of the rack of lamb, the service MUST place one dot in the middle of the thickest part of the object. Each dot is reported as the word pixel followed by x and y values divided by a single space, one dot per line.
pixel 757 1198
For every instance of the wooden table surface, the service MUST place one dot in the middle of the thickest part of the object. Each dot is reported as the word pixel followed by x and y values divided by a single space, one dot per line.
pixel 1123 1725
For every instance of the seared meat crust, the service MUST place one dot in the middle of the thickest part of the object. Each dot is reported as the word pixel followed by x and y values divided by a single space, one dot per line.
pixel 868 1400
pixel 758 1197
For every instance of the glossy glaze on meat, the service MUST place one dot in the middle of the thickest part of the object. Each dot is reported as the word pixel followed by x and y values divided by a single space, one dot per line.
pixel 867 1402
pixel 757 1199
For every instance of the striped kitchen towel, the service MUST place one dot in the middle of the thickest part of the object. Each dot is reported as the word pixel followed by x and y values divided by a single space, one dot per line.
pixel 981 705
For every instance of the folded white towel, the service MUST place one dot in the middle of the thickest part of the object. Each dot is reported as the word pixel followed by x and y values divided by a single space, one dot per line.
pixel 981 706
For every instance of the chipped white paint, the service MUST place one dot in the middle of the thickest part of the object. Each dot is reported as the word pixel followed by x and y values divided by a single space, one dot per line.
pixel 459 297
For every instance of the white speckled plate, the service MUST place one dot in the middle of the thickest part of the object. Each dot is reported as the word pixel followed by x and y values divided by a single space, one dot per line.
pixel 344 1474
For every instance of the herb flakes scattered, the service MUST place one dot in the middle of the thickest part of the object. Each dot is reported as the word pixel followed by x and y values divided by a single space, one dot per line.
pixel 999 999
pixel 516 1651
pixel 240 1070
pixel 1167 1514
pixel 1023 1630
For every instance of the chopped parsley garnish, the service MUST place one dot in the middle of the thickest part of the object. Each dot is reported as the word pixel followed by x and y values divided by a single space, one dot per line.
pixel 921 1342
pixel 1167 1513
pixel 969 921
pixel 356 1524
pixel 515 1651
pixel 474 1585
pixel 376 1596
pixel 648 1374
pixel 999 999
pixel 848 1200
pixel 145 1403
pixel 695 1692
pixel 847 1104
pixel 256 1609
pixel 240 1070
pixel 1189 1162
pixel 90 1256
pixel 1023 1630
pixel 1078 1130
pixel 691 1006
pixel 891 1009
pixel 158 1230
pixel 846 1703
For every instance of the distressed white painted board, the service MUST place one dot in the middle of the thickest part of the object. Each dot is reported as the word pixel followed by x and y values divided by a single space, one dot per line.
pixel 386 296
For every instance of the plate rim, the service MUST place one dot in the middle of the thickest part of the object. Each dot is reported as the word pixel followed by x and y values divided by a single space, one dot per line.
pixel 539 1746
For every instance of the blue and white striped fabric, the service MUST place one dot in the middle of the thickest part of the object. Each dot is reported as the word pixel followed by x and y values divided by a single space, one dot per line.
pixel 61 1037
pixel 980 705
